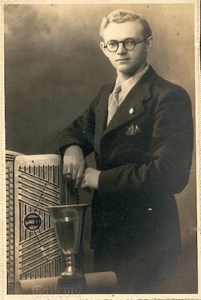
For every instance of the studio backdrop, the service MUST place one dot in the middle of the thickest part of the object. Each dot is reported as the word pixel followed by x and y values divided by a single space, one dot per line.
pixel 54 68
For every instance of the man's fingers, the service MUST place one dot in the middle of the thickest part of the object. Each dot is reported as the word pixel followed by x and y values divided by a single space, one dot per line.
pixel 74 173
pixel 67 171
pixel 80 175
pixel 83 184
pixel 90 178
pixel 65 168
pixel 78 182
pixel 86 187
pixel 68 175
pixel 74 164
pixel 66 164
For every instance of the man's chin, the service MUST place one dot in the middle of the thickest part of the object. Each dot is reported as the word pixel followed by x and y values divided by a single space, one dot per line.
pixel 124 69
pixel 127 71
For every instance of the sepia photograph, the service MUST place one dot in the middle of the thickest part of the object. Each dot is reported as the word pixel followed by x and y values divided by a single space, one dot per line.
pixel 101 168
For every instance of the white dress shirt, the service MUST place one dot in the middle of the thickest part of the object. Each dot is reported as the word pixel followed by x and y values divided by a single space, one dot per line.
pixel 128 84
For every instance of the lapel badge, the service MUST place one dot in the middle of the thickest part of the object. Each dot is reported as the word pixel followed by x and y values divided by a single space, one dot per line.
pixel 131 111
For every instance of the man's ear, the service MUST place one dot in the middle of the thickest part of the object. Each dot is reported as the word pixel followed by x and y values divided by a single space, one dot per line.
pixel 149 43
pixel 103 48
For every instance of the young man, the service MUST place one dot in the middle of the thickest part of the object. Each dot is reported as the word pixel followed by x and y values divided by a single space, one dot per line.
pixel 140 129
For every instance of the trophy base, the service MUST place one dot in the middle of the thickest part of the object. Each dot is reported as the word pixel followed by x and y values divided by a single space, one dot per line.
pixel 71 285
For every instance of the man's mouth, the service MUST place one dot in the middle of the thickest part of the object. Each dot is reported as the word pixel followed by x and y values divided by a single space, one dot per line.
pixel 122 59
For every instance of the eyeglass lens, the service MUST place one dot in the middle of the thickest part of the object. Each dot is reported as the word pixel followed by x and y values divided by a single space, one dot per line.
pixel 129 44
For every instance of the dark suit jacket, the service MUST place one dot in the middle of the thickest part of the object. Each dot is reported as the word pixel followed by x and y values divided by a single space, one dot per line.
pixel 145 157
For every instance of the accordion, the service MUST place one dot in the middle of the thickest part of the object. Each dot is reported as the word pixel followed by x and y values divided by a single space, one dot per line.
pixel 33 182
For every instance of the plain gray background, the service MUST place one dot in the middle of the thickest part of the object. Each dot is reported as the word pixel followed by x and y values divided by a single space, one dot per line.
pixel 54 68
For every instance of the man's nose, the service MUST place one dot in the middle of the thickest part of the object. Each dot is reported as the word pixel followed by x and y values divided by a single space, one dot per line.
pixel 121 49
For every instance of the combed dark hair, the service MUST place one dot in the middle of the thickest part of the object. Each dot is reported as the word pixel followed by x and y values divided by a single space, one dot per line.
pixel 122 16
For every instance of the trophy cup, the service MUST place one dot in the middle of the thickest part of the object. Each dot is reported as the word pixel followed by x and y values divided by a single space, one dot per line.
pixel 68 221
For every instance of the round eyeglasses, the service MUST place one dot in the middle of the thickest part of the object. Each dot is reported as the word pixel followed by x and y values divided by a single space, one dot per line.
pixel 129 44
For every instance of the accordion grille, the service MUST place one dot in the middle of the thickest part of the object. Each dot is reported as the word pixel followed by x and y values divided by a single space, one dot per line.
pixel 34 185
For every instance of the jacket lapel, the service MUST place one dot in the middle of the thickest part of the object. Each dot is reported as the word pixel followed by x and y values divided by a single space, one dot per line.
pixel 133 105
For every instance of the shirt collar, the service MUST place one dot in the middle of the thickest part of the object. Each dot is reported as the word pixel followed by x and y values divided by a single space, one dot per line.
pixel 128 84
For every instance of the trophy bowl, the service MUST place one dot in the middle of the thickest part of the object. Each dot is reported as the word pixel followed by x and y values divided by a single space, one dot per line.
pixel 68 222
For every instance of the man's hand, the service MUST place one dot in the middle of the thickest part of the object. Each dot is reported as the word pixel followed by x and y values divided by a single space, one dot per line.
pixel 90 178
pixel 74 164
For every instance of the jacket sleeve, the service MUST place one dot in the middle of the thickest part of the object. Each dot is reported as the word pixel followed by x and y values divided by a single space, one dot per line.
pixel 80 132
pixel 171 151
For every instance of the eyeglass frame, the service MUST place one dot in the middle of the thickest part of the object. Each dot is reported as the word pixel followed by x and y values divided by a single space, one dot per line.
pixel 123 42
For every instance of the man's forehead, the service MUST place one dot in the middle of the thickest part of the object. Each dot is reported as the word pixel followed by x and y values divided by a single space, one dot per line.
pixel 119 31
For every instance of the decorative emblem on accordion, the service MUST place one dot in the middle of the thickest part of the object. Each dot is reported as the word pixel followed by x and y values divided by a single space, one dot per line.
pixel 33 182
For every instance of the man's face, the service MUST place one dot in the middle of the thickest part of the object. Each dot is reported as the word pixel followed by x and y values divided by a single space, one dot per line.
pixel 125 61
